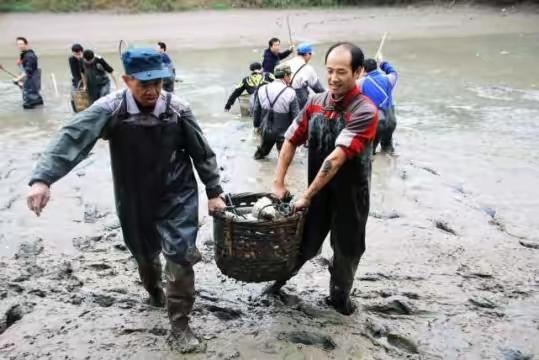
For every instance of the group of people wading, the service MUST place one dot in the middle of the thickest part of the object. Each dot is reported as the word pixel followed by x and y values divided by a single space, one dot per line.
pixel 156 144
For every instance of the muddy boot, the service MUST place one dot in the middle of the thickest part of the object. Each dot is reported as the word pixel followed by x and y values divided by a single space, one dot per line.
pixel 180 299
pixel 340 300
pixel 150 275
pixel 388 149
pixel 258 155
pixel 341 304
pixel 274 288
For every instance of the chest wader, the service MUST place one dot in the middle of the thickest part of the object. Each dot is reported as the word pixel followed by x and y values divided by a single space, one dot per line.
pixel 341 208
pixel 386 136
pixel 273 128
pixel 157 203
pixel 97 81
pixel 30 90
pixel 302 93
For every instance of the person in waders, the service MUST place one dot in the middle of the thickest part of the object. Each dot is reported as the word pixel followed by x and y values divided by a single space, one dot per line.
pixel 30 75
pixel 96 71
pixel 304 77
pixel 275 108
pixel 379 85
pixel 272 57
pixel 154 142
pixel 75 65
pixel 339 127
pixel 250 84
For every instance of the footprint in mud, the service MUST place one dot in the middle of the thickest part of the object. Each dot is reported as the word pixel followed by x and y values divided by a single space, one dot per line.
pixel 308 338
pixel 483 302
pixel 29 249
pixel 444 226
pixel 285 298
pixel 403 343
pixel 92 213
pixel 514 354
pixel 98 266
pixel 376 331
pixel 13 314
pixel 386 215
pixel 225 314
pixel 392 306
pixel 10 313
pixel 103 300
pixel 378 276
pixel 87 243
pixel 154 331
pixel 532 244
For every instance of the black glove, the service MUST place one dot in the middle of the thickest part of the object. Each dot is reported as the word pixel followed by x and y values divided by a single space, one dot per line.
pixel 228 106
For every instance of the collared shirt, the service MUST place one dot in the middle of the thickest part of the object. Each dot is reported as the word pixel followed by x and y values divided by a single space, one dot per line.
pixel 132 107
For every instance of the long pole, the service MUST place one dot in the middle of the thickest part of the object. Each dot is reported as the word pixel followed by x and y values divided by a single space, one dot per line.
pixel 7 71
pixel 54 84
pixel 381 44
pixel 11 74
pixel 289 30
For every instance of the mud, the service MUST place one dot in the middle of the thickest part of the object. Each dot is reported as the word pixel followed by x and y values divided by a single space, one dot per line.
pixel 450 270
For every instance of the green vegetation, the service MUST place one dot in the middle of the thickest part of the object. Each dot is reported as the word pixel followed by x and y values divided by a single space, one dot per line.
pixel 178 5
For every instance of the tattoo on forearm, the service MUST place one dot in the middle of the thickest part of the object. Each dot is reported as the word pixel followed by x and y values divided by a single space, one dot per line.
pixel 326 167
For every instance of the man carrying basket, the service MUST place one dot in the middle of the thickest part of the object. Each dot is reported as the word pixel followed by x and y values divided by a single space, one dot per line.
pixel 339 126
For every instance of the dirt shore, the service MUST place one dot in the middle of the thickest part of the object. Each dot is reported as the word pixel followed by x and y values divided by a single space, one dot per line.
pixel 52 33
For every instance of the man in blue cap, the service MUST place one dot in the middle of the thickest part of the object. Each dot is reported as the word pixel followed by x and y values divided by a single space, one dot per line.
pixel 153 137
pixel 304 76
pixel 379 85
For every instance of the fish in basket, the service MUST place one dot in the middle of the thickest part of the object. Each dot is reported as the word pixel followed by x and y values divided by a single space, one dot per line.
pixel 257 238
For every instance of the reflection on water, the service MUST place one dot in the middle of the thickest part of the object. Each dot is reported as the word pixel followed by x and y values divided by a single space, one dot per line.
pixel 466 107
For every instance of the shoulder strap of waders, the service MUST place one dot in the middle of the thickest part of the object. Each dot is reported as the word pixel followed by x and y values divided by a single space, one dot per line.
pixel 272 103
pixel 294 76
pixel 117 115
pixel 168 110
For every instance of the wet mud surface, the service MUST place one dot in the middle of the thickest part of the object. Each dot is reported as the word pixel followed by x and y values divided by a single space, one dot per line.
pixel 450 270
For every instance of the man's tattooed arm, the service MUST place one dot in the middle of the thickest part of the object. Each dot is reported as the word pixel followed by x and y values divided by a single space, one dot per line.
pixel 329 168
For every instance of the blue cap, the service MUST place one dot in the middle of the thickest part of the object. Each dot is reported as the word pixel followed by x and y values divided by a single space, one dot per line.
pixel 305 48
pixel 144 64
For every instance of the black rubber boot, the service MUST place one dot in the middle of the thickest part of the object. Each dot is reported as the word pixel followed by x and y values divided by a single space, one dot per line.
pixel 339 297
pixel 150 275
pixel 180 299
pixel 342 304
pixel 274 288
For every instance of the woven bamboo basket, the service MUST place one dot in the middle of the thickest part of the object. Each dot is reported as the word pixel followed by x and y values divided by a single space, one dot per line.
pixel 244 105
pixel 80 99
pixel 256 251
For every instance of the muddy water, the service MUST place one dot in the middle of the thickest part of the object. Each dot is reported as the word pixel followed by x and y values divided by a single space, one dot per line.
pixel 445 274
